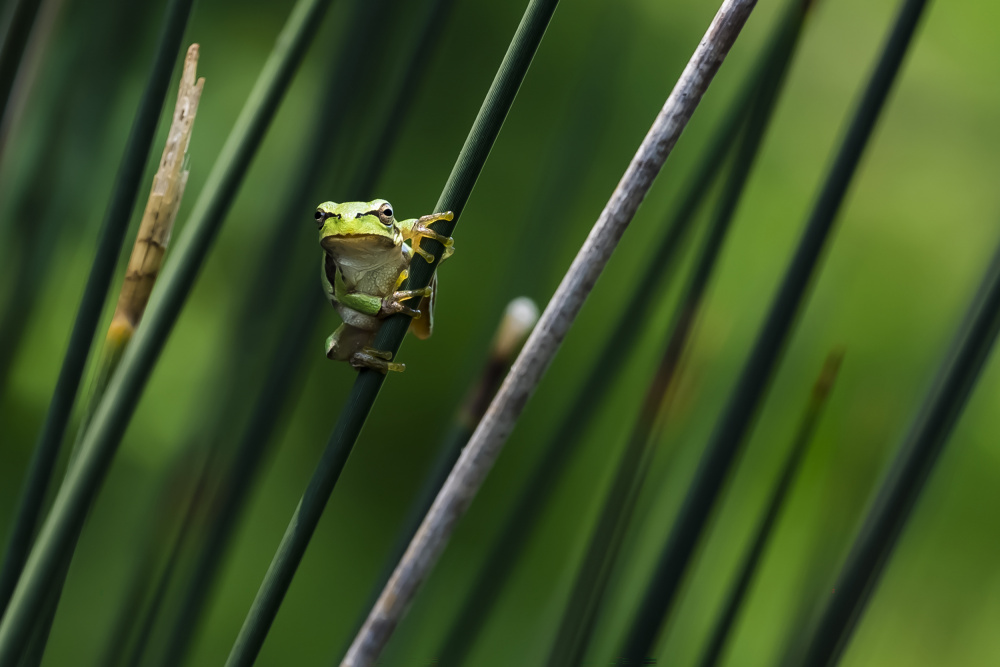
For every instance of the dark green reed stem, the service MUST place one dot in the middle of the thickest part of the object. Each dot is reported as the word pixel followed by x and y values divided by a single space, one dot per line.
pixel 12 44
pixel 251 451
pixel 84 478
pixel 489 437
pixel 278 388
pixel 743 402
pixel 568 159
pixel 140 600
pixel 587 596
pixel 908 473
pixel 281 258
pixel 109 246
pixel 87 73
pixel 365 390
pixel 147 620
pixel 751 559
pixel 517 528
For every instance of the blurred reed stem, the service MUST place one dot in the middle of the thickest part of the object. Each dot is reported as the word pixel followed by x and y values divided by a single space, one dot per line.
pixel 86 72
pixel 279 259
pixel 536 490
pixel 112 235
pixel 751 559
pixel 486 442
pixel 732 427
pixel 144 265
pixel 35 51
pixel 99 445
pixel 587 597
pixel 237 468
pixel 182 495
pixel 278 388
pixel 518 319
pixel 456 193
pixel 572 153
pixel 13 42
pixel 905 478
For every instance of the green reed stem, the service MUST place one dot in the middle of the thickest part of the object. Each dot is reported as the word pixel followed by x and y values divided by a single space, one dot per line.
pixel 251 451
pixel 365 390
pixel 109 246
pixel 278 388
pixel 908 473
pixel 519 525
pixel 140 601
pixel 498 422
pixel 736 420
pixel 101 442
pixel 806 431
pixel 87 73
pixel 12 44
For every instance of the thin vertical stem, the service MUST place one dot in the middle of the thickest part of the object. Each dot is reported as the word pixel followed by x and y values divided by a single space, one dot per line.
pixel 736 420
pixel 456 193
pixel 908 473
pixel 98 447
pixel 109 246
pixel 804 436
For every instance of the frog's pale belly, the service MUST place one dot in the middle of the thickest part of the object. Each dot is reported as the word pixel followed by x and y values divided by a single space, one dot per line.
pixel 369 270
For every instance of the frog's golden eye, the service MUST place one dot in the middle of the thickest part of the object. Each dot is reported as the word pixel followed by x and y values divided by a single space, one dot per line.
pixel 385 214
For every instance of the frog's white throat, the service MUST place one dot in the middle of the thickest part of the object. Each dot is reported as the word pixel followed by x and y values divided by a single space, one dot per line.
pixel 359 258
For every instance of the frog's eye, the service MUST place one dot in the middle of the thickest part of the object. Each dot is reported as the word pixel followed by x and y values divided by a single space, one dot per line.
pixel 322 215
pixel 385 214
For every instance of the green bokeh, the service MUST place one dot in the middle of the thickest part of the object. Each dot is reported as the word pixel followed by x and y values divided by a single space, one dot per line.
pixel 913 238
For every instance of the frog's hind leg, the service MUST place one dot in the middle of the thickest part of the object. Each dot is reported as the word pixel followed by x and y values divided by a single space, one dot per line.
pixel 354 346
pixel 423 325
pixel 379 360
pixel 347 341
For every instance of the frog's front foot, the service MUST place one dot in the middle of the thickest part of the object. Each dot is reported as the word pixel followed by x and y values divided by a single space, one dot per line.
pixel 422 230
pixel 378 360
pixel 393 303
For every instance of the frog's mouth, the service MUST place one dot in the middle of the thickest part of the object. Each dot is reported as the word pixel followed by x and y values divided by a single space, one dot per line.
pixel 335 241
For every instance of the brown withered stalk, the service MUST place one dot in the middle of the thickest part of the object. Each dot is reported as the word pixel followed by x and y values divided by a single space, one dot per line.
pixel 161 210
pixel 154 231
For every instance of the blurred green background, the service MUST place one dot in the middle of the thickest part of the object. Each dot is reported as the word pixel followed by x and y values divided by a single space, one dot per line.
pixel 913 239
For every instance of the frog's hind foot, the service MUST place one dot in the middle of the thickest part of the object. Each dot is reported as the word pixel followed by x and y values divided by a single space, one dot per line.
pixel 378 360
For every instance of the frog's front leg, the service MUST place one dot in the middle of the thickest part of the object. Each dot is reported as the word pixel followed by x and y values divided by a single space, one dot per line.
pixel 392 304
pixel 415 230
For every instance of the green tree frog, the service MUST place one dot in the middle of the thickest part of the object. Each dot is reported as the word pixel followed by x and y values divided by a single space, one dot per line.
pixel 365 262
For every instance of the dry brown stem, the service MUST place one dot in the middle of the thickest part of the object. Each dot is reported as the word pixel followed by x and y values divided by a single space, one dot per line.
pixel 161 208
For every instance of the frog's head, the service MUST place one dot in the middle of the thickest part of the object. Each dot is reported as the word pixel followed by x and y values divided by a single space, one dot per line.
pixel 357 222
